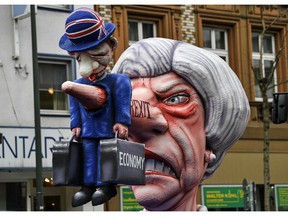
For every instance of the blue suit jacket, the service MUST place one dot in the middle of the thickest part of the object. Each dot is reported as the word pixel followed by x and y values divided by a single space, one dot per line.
pixel 99 123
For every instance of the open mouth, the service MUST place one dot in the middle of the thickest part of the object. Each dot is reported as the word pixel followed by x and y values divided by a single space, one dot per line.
pixel 154 164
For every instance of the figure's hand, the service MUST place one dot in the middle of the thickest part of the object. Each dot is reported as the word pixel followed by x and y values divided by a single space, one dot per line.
pixel 76 132
pixel 122 130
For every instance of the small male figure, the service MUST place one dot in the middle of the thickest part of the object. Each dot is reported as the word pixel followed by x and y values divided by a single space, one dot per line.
pixel 99 101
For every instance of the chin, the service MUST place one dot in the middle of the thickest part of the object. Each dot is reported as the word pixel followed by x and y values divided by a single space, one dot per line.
pixel 159 193
pixel 85 74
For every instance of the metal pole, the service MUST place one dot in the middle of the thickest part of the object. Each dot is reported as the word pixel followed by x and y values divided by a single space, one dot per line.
pixel 39 180
pixel 251 197
pixel 253 186
pixel 246 194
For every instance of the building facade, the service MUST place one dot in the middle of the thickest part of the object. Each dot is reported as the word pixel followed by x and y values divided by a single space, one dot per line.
pixel 231 31
pixel 18 148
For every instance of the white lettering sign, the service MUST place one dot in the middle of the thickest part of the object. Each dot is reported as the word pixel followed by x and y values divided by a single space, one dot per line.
pixel 19 148
pixel 130 160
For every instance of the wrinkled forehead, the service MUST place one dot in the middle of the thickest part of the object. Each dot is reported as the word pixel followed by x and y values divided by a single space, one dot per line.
pixel 165 84
pixel 160 83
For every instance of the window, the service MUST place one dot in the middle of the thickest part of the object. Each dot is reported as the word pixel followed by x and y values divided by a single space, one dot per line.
pixel 267 62
pixel 60 7
pixel 135 22
pixel 53 72
pixel 13 196
pixel 215 40
pixel 140 29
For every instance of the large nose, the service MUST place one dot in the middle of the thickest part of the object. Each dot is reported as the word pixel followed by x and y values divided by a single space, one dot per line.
pixel 86 65
pixel 148 120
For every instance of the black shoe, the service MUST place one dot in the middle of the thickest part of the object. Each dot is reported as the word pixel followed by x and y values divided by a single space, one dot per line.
pixel 103 194
pixel 83 196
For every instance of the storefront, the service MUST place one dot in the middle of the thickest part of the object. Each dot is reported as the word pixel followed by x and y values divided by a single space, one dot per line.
pixel 17 173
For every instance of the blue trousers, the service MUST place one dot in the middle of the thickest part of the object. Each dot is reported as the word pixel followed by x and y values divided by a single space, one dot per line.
pixel 91 163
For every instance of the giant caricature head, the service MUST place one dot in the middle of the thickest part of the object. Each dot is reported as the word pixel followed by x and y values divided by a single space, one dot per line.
pixel 187 104
pixel 89 40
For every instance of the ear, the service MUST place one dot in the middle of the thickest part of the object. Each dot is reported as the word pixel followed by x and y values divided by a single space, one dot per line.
pixel 71 54
pixel 209 157
pixel 113 43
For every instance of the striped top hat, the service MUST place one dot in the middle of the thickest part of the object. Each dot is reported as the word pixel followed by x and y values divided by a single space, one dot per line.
pixel 85 29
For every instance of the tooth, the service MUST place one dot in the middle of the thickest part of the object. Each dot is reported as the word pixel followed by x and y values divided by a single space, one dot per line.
pixel 155 164
pixel 162 166
pixel 149 164
pixel 172 173
pixel 159 166
pixel 152 164
pixel 166 169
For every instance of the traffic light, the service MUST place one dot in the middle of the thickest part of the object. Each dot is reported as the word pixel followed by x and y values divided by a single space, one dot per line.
pixel 279 108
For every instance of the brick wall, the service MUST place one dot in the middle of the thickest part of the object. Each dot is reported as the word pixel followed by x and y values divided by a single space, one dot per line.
pixel 187 18
pixel 188 24
pixel 105 12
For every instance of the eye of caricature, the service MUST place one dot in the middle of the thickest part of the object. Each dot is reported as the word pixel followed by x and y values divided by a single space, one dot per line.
pixel 99 54
pixel 78 58
pixel 177 99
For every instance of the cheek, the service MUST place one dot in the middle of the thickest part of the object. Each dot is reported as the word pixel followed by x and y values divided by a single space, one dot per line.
pixel 193 166
pixel 190 130
pixel 191 138
pixel 87 64
pixel 95 65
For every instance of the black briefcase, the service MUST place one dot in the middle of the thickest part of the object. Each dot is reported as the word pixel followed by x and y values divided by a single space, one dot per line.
pixel 122 162
pixel 67 163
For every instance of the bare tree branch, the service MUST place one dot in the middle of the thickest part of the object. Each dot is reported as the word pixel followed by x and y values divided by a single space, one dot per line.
pixel 264 86
pixel 278 84
pixel 256 74
pixel 277 58
pixel 281 14
pixel 261 80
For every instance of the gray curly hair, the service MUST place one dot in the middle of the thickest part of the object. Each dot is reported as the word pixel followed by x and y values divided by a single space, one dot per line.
pixel 225 102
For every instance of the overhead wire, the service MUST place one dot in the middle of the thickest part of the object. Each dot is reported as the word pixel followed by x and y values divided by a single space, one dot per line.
pixel 9 94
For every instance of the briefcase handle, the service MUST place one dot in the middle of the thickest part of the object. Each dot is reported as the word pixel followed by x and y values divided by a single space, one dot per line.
pixel 73 138
pixel 116 136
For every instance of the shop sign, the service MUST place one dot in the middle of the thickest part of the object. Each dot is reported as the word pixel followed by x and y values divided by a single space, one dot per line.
pixel 18 148
pixel 222 196
pixel 128 200
pixel 281 197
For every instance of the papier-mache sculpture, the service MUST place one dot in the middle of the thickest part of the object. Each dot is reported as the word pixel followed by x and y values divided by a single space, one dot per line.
pixel 99 101
pixel 188 107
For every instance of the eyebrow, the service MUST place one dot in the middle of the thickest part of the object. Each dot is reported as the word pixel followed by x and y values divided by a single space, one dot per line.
pixel 167 85
pixel 100 52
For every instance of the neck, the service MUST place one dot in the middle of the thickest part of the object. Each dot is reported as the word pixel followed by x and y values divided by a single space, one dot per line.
pixel 96 77
pixel 188 201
